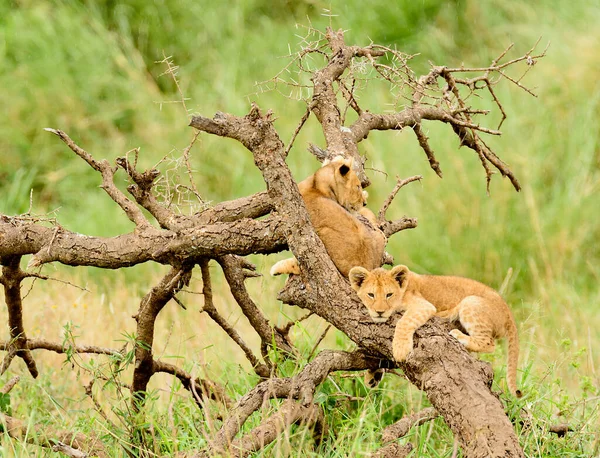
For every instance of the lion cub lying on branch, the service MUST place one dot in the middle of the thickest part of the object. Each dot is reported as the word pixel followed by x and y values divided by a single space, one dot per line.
pixel 334 199
pixel 481 311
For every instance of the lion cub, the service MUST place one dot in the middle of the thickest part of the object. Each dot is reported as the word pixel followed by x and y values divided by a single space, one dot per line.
pixel 481 310
pixel 335 202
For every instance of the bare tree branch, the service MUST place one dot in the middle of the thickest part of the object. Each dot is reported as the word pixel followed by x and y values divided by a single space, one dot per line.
pixel 206 388
pixel 86 445
pixel 261 369
pixel 108 172
pixel 150 307
pixel 289 413
pixel 401 427
pixel 399 185
pixel 300 387
pixel 241 237
pixel 11 278
pixel 232 268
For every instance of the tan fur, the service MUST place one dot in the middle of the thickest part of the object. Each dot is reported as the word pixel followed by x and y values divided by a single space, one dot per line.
pixel 335 202
pixel 481 311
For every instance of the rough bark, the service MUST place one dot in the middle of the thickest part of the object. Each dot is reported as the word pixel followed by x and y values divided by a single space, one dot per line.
pixel 242 237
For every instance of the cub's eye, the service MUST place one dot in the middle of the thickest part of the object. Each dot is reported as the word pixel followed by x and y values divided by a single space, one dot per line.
pixel 388 295
pixel 371 295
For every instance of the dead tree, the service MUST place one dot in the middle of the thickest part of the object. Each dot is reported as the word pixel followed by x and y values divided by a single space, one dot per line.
pixel 457 385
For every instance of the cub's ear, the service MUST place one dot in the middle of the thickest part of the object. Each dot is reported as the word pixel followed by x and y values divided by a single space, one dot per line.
pixel 345 166
pixel 344 169
pixel 400 275
pixel 357 276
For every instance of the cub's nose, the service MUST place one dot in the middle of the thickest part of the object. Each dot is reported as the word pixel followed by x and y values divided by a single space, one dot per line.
pixel 380 313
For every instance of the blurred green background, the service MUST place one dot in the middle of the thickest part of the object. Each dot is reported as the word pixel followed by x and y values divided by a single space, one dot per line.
pixel 92 69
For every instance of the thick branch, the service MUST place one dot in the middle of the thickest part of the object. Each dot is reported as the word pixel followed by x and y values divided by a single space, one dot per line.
pixel 324 101
pixel 253 206
pixel 42 344
pixel 390 228
pixel 424 143
pixel 413 116
pixel 241 237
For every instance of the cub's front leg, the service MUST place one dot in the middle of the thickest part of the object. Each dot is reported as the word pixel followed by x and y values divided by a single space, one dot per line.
pixel 415 316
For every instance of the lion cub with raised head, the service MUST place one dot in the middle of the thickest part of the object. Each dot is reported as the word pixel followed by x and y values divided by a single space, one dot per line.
pixel 336 202
pixel 481 311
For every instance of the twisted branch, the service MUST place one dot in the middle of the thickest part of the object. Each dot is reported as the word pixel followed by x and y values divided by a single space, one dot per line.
pixel 261 369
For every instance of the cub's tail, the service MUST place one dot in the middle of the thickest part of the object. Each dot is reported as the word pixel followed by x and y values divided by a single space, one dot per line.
pixel 513 358
pixel 449 315
pixel 286 266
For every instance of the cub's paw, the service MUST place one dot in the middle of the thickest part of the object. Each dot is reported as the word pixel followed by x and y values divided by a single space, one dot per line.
pixel 285 266
pixel 401 349
pixel 460 336
pixel 373 377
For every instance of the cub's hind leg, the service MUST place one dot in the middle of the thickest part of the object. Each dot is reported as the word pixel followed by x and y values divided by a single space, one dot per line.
pixel 473 314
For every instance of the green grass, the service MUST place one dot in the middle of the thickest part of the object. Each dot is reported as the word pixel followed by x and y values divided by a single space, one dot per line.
pixel 93 70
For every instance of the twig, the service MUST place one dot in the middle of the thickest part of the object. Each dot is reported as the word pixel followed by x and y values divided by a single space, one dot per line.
pixel 285 330
pixel 401 427
pixel 131 210
pixel 188 166
pixel 297 131
pixel 45 277
pixel 400 183
pixel 89 393
pixel 319 340
pixel 423 141
pixel 68 450
pixel 10 385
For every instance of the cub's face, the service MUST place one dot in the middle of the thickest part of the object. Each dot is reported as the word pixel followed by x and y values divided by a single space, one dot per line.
pixel 380 290
pixel 349 191
pixel 343 184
